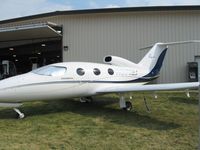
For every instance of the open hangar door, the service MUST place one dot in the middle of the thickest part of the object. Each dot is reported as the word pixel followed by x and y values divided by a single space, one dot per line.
pixel 27 47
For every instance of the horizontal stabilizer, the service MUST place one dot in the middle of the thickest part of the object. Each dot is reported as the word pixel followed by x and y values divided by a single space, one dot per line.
pixel 180 42
pixel 172 43
pixel 153 87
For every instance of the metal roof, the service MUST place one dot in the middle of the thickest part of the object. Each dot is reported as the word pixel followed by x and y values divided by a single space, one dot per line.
pixel 104 10
pixel 27 32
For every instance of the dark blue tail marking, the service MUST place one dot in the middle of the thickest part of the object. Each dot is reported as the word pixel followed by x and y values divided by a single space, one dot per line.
pixel 155 71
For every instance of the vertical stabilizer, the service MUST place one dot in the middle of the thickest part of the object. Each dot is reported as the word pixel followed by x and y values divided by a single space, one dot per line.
pixel 153 60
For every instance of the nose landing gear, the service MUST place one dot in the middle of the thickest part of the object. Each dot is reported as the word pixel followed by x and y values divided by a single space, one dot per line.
pixel 19 113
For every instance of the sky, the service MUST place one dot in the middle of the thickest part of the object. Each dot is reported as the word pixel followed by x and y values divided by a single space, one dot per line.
pixel 19 8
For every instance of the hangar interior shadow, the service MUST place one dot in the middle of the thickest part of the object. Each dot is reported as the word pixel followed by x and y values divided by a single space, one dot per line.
pixel 40 53
pixel 98 108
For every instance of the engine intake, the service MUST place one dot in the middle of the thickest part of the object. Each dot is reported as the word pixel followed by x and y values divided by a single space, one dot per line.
pixel 108 59
pixel 118 61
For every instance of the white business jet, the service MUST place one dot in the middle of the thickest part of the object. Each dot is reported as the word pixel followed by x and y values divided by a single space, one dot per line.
pixel 84 80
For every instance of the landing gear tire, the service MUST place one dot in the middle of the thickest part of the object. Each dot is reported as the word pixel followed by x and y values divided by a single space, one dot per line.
pixel 89 99
pixel 123 104
pixel 21 116
pixel 86 99
pixel 128 106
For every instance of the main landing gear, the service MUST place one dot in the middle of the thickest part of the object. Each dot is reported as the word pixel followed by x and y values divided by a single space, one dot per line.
pixel 125 105
pixel 20 115
pixel 86 99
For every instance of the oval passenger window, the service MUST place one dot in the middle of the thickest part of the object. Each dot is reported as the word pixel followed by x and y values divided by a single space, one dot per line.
pixel 96 71
pixel 80 71
pixel 110 71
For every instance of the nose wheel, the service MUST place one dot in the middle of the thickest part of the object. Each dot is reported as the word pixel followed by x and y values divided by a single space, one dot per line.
pixel 20 115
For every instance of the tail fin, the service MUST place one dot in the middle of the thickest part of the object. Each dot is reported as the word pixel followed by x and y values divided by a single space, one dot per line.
pixel 153 60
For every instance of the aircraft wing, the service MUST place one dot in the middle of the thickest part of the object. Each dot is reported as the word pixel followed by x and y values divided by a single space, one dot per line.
pixel 153 87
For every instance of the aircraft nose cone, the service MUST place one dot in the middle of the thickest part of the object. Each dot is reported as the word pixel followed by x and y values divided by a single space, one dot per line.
pixel 8 88
pixel 11 82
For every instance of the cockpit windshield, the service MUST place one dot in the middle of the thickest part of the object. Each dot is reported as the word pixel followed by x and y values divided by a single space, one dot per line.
pixel 50 71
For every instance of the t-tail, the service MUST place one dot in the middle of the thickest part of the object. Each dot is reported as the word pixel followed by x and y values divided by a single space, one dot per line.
pixel 151 63
pixel 153 60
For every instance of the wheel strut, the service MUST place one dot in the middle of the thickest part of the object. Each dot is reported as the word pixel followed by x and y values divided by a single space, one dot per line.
pixel 20 114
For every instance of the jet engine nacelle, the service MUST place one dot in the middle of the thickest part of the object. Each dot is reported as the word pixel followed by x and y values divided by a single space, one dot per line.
pixel 118 61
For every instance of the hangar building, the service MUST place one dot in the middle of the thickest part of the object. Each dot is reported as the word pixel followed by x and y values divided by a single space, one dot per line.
pixel 89 35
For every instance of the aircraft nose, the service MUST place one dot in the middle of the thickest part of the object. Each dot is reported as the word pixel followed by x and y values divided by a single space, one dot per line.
pixel 7 94
pixel 10 82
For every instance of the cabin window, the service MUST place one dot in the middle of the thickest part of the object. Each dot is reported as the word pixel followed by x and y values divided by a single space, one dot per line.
pixel 110 71
pixel 80 71
pixel 96 71
pixel 51 71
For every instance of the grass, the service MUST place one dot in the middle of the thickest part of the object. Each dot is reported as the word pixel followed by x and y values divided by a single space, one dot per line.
pixel 69 124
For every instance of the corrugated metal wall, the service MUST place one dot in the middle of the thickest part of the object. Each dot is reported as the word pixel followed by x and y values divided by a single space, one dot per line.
pixel 92 36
